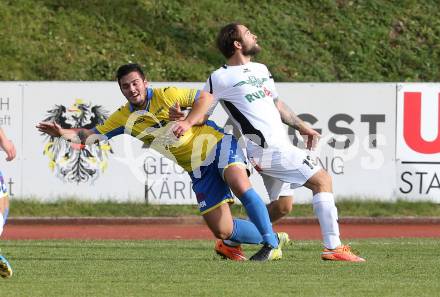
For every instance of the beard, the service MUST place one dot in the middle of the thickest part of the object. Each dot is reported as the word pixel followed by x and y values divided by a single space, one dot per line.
pixel 251 51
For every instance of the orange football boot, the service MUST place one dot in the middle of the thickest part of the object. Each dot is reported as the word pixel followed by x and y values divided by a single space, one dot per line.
pixel 341 253
pixel 229 252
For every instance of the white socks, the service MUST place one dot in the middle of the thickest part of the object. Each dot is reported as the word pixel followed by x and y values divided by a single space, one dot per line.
pixel 2 222
pixel 327 214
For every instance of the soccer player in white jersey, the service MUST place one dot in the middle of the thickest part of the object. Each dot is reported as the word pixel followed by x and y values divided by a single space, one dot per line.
pixel 247 92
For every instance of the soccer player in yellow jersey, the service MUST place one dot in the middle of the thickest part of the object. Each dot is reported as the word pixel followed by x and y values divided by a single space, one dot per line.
pixel 211 157
pixel 8 147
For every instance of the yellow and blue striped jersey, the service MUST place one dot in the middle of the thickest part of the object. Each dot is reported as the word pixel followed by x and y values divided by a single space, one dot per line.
pixel 153 127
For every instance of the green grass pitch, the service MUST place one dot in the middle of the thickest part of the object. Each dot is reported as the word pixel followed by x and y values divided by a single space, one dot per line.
pixel 394 267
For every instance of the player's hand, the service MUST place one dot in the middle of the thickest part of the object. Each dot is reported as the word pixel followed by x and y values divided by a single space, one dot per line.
pixel 51 128
pixel 175 113
pixel 180 128
pixel 9 148
pixel 311 137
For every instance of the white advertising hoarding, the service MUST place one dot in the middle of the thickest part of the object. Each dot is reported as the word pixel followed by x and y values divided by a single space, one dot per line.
pixel 357 124
pixel 418 141
pixel 359 143
pixel 58 169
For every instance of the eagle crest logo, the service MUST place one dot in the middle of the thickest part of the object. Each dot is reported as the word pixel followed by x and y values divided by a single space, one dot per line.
pixel 73 162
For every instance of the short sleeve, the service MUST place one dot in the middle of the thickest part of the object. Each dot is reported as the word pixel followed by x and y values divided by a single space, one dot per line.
pixel 185 97
pixel 271 85
pixel 209 87
pixel 111 126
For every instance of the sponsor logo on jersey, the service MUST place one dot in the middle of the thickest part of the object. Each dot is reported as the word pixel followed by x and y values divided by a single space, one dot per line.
pixel 253 81
pixel 258 83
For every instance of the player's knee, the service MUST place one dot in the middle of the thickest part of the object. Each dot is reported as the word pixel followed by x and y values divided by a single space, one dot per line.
pixel 284 207
pixel 325 179
pixel 321 182
pixel 222 233
pixel 237 180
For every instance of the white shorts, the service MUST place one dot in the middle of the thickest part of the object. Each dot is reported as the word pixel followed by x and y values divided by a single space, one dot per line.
pixel 276 188
pixel 282 168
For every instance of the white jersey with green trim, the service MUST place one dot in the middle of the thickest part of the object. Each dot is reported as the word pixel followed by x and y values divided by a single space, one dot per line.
pixel 247 93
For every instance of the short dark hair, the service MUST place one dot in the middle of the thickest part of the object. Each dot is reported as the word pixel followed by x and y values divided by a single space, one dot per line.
pixel 128 68
pixel 226 37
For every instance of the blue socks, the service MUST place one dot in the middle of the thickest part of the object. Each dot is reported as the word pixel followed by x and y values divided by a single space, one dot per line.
pixel 245 232
pixel 257 213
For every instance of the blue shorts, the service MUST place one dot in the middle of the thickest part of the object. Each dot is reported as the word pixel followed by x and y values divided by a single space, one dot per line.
pixel 208 183
pixel 3 188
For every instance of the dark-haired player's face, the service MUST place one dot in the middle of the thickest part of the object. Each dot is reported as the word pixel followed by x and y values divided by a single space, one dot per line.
pixel 133 86
pixel 249 43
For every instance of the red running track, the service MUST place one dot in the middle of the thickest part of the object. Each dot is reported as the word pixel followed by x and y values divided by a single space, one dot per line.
pixel 194 229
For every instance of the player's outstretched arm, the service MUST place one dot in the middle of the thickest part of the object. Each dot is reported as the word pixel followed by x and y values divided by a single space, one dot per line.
pixel 196 116
pixel 289 118
pixel 79 136
pixel 7 146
